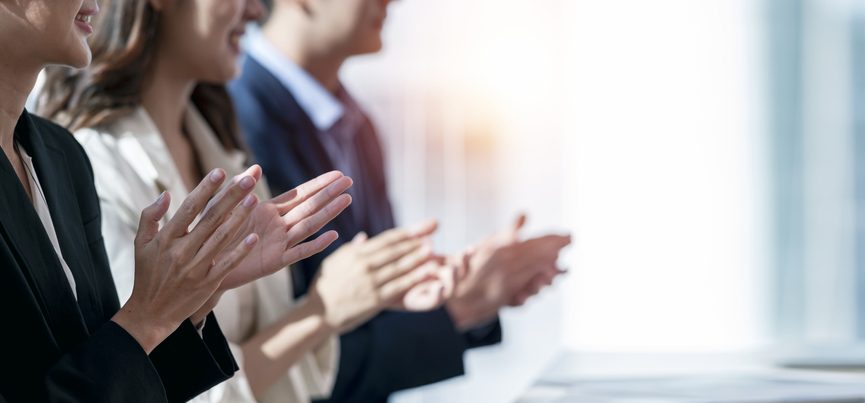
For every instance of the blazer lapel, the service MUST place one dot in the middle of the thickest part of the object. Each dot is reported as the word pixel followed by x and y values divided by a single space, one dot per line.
pixel 40 264
pixel 142 146
pixel 68 224
pixel 301 134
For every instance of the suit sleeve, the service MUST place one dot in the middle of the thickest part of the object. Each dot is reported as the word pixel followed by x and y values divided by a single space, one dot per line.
pixel 112 367
pixel 397 351
pixel 189 364
pixel 109 367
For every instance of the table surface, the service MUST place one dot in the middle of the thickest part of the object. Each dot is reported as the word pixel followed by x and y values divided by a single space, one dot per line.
pixel 571 366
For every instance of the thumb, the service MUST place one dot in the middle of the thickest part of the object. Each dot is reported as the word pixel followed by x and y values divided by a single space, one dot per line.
pixel 519 223
pixel 148 225
pixel 360 238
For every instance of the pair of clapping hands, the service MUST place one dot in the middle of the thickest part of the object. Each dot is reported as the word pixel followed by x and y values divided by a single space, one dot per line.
pixel 180 274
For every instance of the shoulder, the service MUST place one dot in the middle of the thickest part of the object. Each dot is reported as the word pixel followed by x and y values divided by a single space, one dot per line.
pixel 99 143
pixel 113 174
pixel 59 138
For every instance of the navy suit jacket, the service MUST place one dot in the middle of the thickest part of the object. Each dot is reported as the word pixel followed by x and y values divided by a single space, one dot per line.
pixel 393 351
pixel 54 347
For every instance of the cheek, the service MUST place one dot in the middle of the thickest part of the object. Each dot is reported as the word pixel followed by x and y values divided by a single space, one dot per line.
pixel 66 47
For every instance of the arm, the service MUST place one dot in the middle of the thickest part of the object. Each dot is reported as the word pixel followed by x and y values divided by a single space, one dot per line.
pixel 271 352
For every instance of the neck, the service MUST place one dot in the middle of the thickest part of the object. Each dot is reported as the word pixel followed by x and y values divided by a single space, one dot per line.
pixel 302 46
pixel 165 97
pixel 16 82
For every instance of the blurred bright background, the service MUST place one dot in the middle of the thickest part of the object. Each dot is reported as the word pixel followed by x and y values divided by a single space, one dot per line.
pixel 707 155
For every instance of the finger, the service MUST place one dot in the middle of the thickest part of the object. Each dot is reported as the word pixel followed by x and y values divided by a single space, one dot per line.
pixel 425 296
pixel 227 231
pixel 548 243
pixel 307 249
pixel 519 223
pixel 543 249
pixel 224 207
pixel 532 288
pixel 178 226
pixel 318 201
pixel 360 238
pixel 399 235
pixel 394 252
pixel 223 267
pixel 253 171
pixel 148 224
pixel 449 277
pixel 400 285
pixel 509 235
pixel 404 265
pixel 546 247
pixel 464 267
pixel 519 300
pixel 312 224
pixel 291 199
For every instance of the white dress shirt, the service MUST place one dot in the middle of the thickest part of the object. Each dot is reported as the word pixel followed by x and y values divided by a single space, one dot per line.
pixel 41 206
pixel 132 166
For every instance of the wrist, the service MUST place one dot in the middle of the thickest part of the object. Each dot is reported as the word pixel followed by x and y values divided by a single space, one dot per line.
pixel 199 316
pixel 316 310
pixel 149 332
pixel 468 313
pixel 460 312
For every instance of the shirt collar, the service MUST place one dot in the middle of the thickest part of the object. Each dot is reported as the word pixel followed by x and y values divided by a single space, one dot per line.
pixel 322 107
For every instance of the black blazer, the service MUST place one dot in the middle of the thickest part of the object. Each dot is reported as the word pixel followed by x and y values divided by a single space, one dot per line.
pixel 54 348
pixel 393 351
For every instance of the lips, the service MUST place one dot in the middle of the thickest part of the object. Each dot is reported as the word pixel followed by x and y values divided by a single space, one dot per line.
pixel 84 19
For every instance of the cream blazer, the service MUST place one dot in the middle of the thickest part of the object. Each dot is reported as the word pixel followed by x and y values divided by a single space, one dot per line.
pixel 132 166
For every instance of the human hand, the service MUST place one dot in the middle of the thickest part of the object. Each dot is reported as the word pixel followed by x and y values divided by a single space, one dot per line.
pixel 177 270
pixel 286 220
pixel 504 271
pixel 366 276
pixel 437 288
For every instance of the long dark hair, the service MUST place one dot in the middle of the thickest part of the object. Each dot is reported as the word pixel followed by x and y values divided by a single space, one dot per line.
pixel 123 48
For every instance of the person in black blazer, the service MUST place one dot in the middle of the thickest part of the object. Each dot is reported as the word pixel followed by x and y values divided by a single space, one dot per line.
pixel 58 346
pixel 299 121
pixel 65 338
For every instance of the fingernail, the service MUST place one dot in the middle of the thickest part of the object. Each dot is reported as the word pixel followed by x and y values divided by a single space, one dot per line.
pixel 160 198
pixel 247 183
pixel 250 239
pixel 217 175
pixel 249 201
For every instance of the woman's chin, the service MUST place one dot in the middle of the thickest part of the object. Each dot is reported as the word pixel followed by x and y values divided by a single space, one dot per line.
pixel 79 58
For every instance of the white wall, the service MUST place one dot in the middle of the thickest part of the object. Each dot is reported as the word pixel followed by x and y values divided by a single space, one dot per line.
pixel 667 183
pixel 634 124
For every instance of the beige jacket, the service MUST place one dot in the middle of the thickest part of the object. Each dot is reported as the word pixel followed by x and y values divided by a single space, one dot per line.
pixel 132 166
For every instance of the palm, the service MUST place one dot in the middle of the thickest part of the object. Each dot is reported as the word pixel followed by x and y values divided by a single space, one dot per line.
pixel 267 256
pixel 283 222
